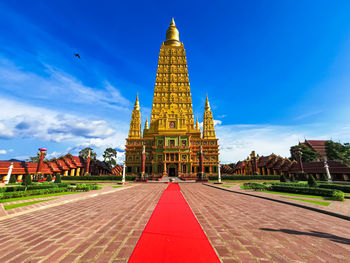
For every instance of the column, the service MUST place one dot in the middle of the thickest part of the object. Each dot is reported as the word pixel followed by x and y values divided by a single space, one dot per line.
pixel 123 180
pixel 143 160
pixel 41 159
pixel 7 178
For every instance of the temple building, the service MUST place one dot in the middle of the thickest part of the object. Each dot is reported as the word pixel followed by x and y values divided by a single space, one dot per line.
pixel 171 143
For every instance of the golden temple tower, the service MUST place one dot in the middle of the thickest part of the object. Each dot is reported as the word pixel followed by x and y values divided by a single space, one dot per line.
pixel 208 122
pixel 135 123
pixel 171 142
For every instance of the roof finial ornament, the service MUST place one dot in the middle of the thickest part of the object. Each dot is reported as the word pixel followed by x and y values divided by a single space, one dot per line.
pixel 172 35
pixel 137 103
pixel 207 105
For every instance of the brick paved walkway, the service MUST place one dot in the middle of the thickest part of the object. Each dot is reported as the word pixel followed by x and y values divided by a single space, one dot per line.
pixel 247 229
pixel 342 208
pixel 57 200
pixel 98 229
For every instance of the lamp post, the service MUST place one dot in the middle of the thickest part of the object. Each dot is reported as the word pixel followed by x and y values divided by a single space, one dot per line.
pixel 326 166
pixel 219 173
pixel 9 174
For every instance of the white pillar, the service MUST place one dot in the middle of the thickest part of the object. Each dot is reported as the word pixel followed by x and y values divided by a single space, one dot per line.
pixel 123 180
pixel 7 179
pixel 219 173
pixel 327 171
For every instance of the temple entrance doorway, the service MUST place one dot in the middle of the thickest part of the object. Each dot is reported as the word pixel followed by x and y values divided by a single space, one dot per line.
pixel 172 172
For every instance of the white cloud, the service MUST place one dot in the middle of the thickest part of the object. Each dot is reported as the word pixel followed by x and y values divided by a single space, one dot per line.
pixel 3 151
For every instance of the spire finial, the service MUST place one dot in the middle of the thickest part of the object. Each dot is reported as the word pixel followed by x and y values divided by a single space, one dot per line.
pixel 207 105
pixel 137 103
pixel 172 35
pixel 197 124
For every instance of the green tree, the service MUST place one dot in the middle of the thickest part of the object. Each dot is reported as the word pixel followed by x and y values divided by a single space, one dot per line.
pixel 338 152
pixel 13 179
pixel 283 178
pixel 35 159
pixel 85 152
pixel 292 178
pixel 58 179
pixel 27 180
pixel 110 156
pixel 311 181
pixel 49 178
pixel 308 155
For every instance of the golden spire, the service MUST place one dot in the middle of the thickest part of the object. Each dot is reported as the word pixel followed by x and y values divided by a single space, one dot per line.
pixel 137 103
pixel 208 122
pixel 197 124
pixel 146 124
pixel 135 123
pixel 172 35
pixel 207 105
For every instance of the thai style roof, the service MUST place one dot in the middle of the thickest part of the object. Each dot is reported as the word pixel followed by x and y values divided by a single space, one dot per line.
pixel 316 145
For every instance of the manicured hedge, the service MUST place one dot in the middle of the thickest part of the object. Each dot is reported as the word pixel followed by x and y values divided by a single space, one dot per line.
pixel 289 184
pixel 343 188
pixel 32 187
pixel 336 194
pixel 98 178
pixel 245 177
pixel 255 186
pixel 32 192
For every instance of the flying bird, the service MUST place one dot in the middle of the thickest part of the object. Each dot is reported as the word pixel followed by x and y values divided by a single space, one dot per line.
pixel 77 55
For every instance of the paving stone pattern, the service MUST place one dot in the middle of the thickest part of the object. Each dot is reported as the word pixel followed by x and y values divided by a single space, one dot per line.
pixel 248 229
pixel 105 228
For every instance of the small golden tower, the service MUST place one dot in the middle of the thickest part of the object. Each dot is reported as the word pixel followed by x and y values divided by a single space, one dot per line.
pixel 135 123
pixel 208 122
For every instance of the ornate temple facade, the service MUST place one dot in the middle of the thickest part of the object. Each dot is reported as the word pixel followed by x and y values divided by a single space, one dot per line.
pixel 172 144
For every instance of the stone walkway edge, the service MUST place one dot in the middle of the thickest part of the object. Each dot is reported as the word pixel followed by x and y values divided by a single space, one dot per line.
pixel 63 202
pixel 284 202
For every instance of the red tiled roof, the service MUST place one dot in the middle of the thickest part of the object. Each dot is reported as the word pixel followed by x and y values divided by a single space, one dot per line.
pixel 317 146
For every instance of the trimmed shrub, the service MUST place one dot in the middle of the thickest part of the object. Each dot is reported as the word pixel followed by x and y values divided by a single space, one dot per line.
pixel 49 178
pixel 32 192
pixel 283 178
pixel 244 177
pixel 99 178
pixel 336 194
pixel 255 186
pixel 13 179
pixel 58 179
pixel 27 180
pixel 292 178
pixel 323 177
pixel 32 187
pixel 343 188
pixel 311 181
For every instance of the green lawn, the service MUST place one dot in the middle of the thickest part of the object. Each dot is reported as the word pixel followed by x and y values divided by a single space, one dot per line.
pixel 35 196
pixel 8 207
pixel 117 186
pixel 310 201
pixel 298 195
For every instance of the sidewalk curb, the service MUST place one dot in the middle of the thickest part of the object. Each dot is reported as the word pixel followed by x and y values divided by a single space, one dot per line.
pixel 286 203
pixel 62 203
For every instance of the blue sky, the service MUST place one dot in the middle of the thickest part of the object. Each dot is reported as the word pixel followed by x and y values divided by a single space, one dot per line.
pixel 276 72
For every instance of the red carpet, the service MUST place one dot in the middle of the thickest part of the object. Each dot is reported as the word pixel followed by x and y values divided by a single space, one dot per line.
pixel 173 234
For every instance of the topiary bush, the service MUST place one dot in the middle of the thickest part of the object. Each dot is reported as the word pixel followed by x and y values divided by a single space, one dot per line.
pixel 292 178
pixel 283 178
pixel 27 180
pixel 311 181
pixel 13 179
pixel 343 188
pixel 58 179
pixel 49 178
